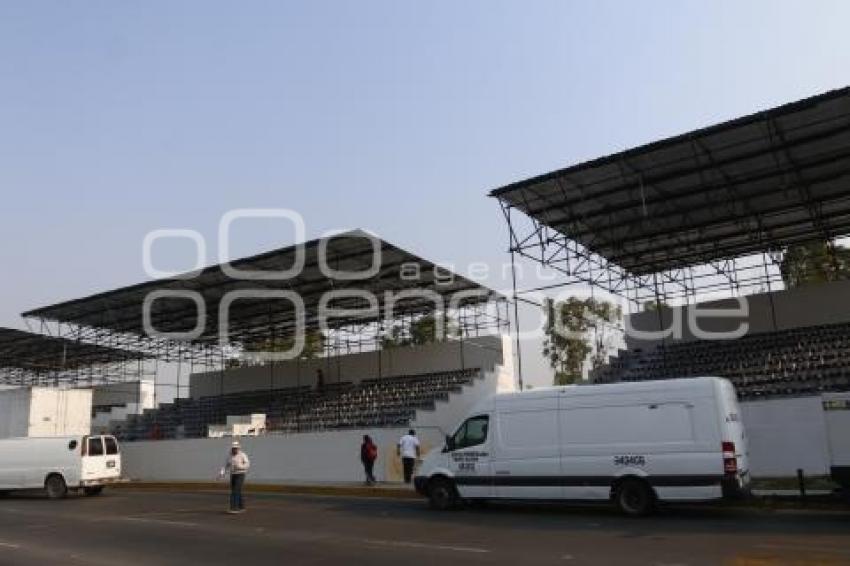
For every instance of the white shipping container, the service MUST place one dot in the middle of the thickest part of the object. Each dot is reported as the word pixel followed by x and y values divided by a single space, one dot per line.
pixel 45 412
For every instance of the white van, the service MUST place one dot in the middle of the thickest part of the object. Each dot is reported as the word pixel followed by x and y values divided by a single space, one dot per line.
pixel 58 464
pixel 633 443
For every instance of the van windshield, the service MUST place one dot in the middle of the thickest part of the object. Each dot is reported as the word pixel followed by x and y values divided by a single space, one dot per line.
pixel 471 433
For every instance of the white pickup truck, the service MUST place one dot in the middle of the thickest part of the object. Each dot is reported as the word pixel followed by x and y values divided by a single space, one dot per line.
pixel 59 464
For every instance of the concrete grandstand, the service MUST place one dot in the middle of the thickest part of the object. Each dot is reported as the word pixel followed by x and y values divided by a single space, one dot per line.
pixel 378 378
pixel 700 220
pixel 704 221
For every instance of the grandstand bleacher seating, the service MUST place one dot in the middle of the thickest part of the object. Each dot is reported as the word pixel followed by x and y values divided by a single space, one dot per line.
pixel 799 361
pixel 382 402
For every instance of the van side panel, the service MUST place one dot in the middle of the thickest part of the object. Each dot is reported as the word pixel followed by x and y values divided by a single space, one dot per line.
pixel 730 419
pixel 671 438
pixel 26 462
pixel 527 461
pixel 578 442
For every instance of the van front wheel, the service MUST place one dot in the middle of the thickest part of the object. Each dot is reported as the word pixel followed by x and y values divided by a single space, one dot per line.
pixel 441 494
pixel 634 497
pixel 55 487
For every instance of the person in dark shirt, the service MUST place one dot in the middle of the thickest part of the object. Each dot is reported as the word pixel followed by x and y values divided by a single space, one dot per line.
pixel 368 455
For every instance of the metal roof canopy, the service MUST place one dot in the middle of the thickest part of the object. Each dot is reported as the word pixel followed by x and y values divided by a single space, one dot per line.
pixel 754 184
pixel 36 352
pixel 121 310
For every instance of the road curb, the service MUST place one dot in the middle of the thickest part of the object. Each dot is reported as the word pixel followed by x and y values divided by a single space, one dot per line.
pixel 291 489
pixel 764 503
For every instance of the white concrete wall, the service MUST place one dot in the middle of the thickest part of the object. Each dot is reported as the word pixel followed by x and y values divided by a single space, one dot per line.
pixel 447 415
pixel 838 430
pixel 307 457
pixel 812 305
pixel 482 352
pixel 328 456
pixel 786 434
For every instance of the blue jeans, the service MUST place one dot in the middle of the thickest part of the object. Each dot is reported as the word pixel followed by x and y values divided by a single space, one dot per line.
pixel 236 501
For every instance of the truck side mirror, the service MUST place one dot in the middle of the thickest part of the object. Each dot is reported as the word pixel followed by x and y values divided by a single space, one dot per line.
pixel 450 444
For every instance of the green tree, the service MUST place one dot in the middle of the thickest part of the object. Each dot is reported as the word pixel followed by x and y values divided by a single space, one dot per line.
pixel 567 343
pixel 814 262
pixel 652 305
pixel 395 337
pixel 314 345
pixel 425 330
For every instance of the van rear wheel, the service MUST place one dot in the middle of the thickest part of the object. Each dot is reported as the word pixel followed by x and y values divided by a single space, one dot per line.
pixel 634 497
pixel 441 494
pixel 93 491
pixel 55 487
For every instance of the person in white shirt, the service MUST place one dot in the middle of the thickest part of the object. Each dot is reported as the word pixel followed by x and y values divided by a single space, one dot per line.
pixel 408 449
pixel 237 465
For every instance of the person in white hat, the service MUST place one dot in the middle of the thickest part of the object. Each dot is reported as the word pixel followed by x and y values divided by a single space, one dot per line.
pixel 237 465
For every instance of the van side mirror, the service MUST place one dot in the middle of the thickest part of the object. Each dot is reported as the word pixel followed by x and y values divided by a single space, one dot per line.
pixel 450 444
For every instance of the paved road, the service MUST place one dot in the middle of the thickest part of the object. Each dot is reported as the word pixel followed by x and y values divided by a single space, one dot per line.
pixel 127 527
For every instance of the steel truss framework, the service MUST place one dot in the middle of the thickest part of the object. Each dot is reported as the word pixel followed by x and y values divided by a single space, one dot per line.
pixel 28 358
pixel 405 288
pixel 577 265
pixel 705 214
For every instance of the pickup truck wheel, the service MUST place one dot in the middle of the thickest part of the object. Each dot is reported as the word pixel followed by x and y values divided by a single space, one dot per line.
pixel 55 487
pixel 441 494
pixel 634 497
pixel 93 491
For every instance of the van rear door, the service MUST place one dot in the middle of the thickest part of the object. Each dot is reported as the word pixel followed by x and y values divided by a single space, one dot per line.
pixel 101 459
pixel 113 457
pixel 732 426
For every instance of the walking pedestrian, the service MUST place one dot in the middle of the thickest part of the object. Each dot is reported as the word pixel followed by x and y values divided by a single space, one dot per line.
pixel 368 455
pixel 236 465
pixel 408 449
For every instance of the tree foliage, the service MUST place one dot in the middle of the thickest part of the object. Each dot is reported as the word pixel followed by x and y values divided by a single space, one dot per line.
pixel 314 345
pixel 567 343
pixel 653 305
pixel 426 330
pixel 814 262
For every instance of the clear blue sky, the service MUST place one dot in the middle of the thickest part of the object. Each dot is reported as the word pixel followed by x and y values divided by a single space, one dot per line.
pixel 117 118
